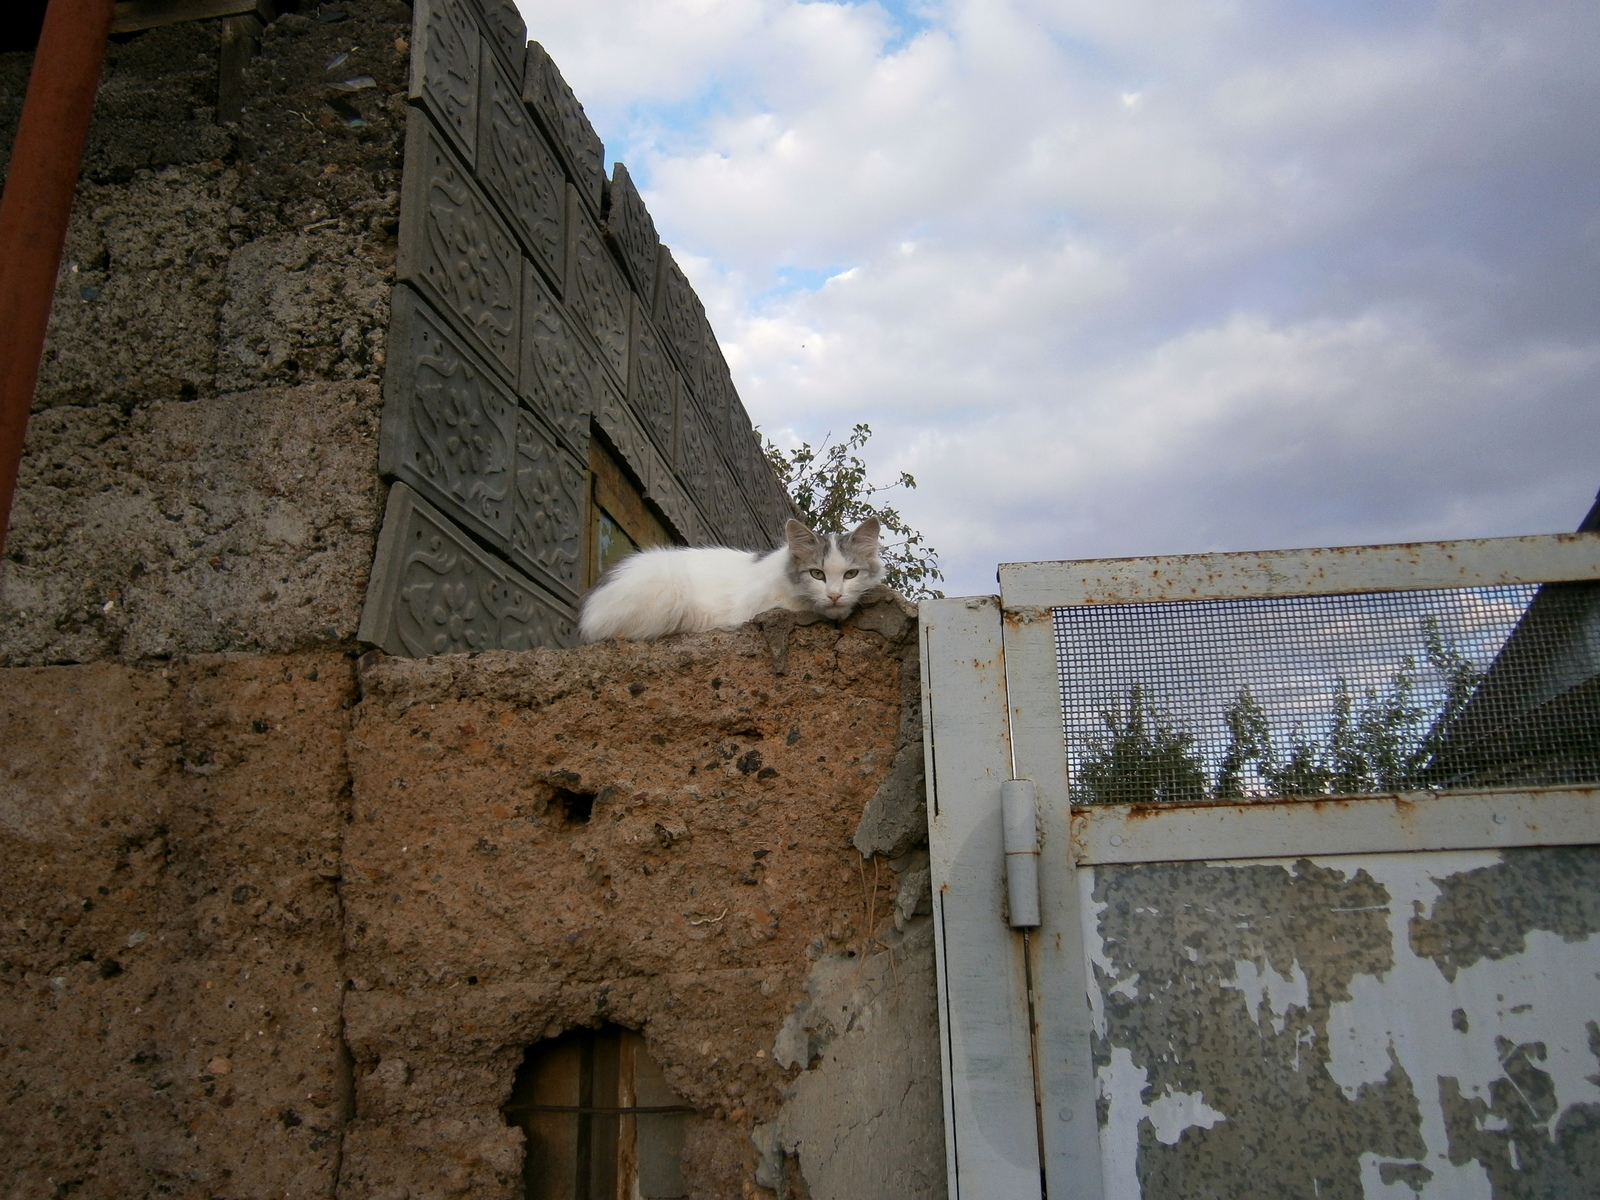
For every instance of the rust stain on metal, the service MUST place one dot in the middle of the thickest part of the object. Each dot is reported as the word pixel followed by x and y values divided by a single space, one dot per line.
pixel 1025 615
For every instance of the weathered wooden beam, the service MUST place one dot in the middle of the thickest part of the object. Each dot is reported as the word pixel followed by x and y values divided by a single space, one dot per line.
pixel 240 37
pixel 131 16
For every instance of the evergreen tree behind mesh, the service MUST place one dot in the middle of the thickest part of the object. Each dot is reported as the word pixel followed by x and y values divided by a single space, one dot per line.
pixel 1382 740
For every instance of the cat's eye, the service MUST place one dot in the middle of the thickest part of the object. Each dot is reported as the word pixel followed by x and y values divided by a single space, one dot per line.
pixel 816 574
pixel 852 573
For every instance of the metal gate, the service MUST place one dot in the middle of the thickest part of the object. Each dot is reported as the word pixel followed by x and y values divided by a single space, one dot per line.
pixel 1271 874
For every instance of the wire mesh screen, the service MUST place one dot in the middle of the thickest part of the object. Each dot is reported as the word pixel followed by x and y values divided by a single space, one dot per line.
pixel 1331 695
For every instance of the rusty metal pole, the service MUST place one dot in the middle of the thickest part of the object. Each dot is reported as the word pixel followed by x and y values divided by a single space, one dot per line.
pixel 45 159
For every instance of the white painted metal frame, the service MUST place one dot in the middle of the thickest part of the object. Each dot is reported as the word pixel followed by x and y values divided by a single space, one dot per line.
pixel 1068 1128
pixel 1402 823
pixel 990 1144
pixel 992 708
pixel 1543 558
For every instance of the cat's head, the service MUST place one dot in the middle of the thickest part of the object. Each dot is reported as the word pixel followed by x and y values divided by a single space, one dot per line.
pixel 831 570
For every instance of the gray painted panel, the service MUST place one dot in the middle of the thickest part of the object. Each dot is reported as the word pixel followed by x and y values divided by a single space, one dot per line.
pixel 1061 982
pixel 433 591
pixel 445 48
pixel 629 224
pixel 449 424
pixel 454 248
pixel 1344 825
pixel 1367 1025
pixel 598 293
pixel 547 528
pixel 520 171
pixel 1318 572
pixel 557 109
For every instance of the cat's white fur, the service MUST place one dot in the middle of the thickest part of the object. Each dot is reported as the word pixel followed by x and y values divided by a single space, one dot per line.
pixel 678 590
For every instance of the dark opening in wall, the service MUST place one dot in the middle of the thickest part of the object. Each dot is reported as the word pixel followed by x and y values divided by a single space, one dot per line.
pixel 599 1119
pixel 576 807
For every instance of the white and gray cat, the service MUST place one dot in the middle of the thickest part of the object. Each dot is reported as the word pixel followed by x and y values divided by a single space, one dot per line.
pixel 679 590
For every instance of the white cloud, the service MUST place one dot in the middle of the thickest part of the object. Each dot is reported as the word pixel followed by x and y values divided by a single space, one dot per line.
pixel 1159 276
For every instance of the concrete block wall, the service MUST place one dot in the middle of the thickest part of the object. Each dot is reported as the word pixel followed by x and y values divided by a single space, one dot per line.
pixel 201 467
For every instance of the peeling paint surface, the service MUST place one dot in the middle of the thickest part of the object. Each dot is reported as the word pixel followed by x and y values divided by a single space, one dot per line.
pixel 1376 1025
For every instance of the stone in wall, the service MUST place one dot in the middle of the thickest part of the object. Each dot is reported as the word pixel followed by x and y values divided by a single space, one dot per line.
pixel 200 473
pixel 169 955
pixel 238 522
pixel 699 899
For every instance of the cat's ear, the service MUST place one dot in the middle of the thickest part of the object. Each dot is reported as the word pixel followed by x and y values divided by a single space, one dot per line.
pixel 799 537
pixel 865 535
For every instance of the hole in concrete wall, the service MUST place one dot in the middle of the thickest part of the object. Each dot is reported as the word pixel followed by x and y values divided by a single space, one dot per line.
pixel 576 807
pixel 599 1119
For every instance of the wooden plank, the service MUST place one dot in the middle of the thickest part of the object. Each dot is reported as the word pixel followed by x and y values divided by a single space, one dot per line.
pixel 1066 1081
pixel 1294 828
pixel 1324 571
pixel 992 1152
pixel 131 16
pixel 240 36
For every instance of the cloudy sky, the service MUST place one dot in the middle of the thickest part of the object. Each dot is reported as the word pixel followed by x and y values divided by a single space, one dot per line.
pixel 1141 277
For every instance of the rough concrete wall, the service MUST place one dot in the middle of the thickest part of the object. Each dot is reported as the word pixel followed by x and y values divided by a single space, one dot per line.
pixel 200 472
pixel 713 900
pixel 712 892
pixel 170 928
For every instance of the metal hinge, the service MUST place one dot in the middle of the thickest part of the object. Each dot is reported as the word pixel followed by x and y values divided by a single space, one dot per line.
pixel 1019 812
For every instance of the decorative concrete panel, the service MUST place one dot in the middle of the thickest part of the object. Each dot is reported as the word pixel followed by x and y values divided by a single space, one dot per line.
pixel 681 318
pixel 743 454
pixel 558 370
pixel 698 465
pixel 653 387
pixel 449 424
pixel 454 247
pixel 504 30
pixel 756 531
pixel 520 171
pixel 547 531
pixel 557 109
pixel 629 224
pixel 445 48
pixel 729 425
pixel 627 436
pixel 535 308
pixel 599 294
pixel 434 591
pixel 727 510
pixel 673 500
